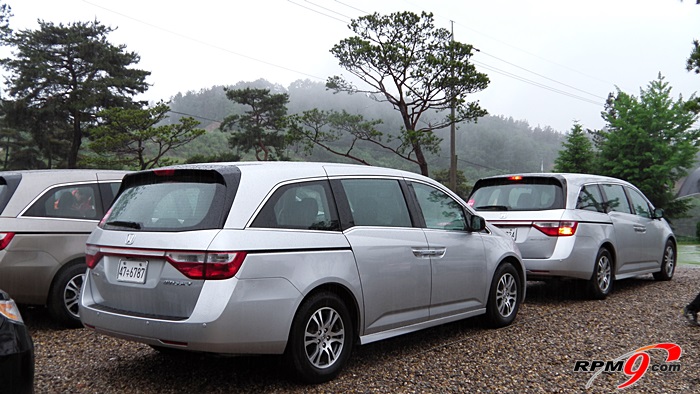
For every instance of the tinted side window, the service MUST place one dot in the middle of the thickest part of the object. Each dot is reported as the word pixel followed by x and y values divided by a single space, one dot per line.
pixel 640 204
pixel 73 201
pixel 439 209
pixel 590 199
pixel 377 202
pixel 305 205
pixel 616 198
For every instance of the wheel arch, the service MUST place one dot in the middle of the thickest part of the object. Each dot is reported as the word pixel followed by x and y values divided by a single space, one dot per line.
pixel 346 296
pixel 75 261
pixel 520 267
pixel 613 255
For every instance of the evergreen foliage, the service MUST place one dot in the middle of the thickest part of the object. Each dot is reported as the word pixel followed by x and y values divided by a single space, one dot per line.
pixel 133 135
pixel 650 141
pixel 403 59
pixel 60 77
pixel 261 127
pixel 577 153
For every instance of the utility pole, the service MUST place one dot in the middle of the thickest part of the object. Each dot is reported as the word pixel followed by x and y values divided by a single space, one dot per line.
pixel 453 150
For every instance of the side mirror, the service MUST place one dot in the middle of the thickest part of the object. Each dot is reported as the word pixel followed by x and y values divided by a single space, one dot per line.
pixel 658 213
pixel 477 224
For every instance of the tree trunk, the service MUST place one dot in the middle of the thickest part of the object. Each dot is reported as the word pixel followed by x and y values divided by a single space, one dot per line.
pixel 75 143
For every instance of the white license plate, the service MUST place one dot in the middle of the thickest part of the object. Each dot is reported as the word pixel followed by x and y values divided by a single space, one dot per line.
pixel 132 271
pixel 513 232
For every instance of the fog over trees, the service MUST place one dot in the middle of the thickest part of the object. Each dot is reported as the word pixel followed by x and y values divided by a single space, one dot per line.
pixel 492 145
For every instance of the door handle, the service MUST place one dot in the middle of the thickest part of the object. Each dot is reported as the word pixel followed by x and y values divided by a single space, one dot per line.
pixel 422 253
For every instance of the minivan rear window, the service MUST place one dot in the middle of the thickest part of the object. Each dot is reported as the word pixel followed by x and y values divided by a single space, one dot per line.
pixel 172 203
pixel 518 194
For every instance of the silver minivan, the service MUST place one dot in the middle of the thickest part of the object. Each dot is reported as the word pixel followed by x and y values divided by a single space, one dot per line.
pixel 45 219
pixel 300 259
pixel 588 227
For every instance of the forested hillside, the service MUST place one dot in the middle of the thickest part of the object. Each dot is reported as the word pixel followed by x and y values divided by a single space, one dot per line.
pixel 493 145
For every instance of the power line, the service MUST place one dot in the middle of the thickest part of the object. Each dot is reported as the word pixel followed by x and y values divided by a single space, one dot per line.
pixel 542 76
pixel 195 116
pixel 511 75
pixel 537 84
pixel 204 42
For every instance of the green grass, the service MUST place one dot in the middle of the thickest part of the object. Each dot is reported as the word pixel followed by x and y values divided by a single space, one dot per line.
pixel 689 254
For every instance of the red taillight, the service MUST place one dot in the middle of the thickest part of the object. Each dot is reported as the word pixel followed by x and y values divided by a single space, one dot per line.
pixel 515 178
pixel 92 255
pixel 5 239
pixel 557 229
pixel 206 265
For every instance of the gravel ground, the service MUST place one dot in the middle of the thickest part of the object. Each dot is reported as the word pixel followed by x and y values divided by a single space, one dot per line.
pixel 555 327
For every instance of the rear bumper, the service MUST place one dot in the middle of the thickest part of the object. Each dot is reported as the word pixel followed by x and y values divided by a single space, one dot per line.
pixel 231 316
pixel 573 257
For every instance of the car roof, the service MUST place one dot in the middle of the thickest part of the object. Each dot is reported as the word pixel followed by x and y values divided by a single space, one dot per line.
pixel 258 178
pixel 274 172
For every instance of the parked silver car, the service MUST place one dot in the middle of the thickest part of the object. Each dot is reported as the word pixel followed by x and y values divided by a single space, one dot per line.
pixel 45 219
pixel 301 259
pixel 579 226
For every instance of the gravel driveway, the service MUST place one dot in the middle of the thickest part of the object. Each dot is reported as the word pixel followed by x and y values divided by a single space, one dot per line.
pixel 554 328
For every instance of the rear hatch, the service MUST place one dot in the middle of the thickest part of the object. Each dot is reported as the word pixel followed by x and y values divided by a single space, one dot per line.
pixel 149 256
pixel 529 208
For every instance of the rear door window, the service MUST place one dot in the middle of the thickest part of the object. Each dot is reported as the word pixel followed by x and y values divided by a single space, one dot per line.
pixel 304 206
pixel 377 202
pixel 68 201
pixel 590 199
pixel 616 199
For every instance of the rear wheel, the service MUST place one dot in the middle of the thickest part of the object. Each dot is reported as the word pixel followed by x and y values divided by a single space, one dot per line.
pixel 504 296
pixel 64 297
pixel 668 262
pixel 321 338
pixel 600 284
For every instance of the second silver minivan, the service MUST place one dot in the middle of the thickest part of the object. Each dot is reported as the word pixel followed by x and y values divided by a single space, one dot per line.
pixel 300 259
pixel 580 226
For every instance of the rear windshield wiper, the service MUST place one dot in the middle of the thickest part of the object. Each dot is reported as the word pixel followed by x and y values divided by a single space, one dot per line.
pixel 492 208
pixel 122 223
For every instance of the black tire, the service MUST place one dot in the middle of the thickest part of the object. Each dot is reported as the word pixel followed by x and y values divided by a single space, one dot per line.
pixel 668 262
pixel 504 296
pixel 320 340
pixel 64 296
pixel 601 282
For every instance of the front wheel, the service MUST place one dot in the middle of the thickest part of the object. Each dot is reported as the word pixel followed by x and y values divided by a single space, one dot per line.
pixel 668 262
pixel 504 297
pixel 600 284
pixel 64 297
pixel 321 338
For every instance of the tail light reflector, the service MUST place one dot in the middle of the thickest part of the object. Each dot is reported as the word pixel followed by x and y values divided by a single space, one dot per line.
pixel 556 229
pixel 206 265
pixel 5 239
pixel 92 255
